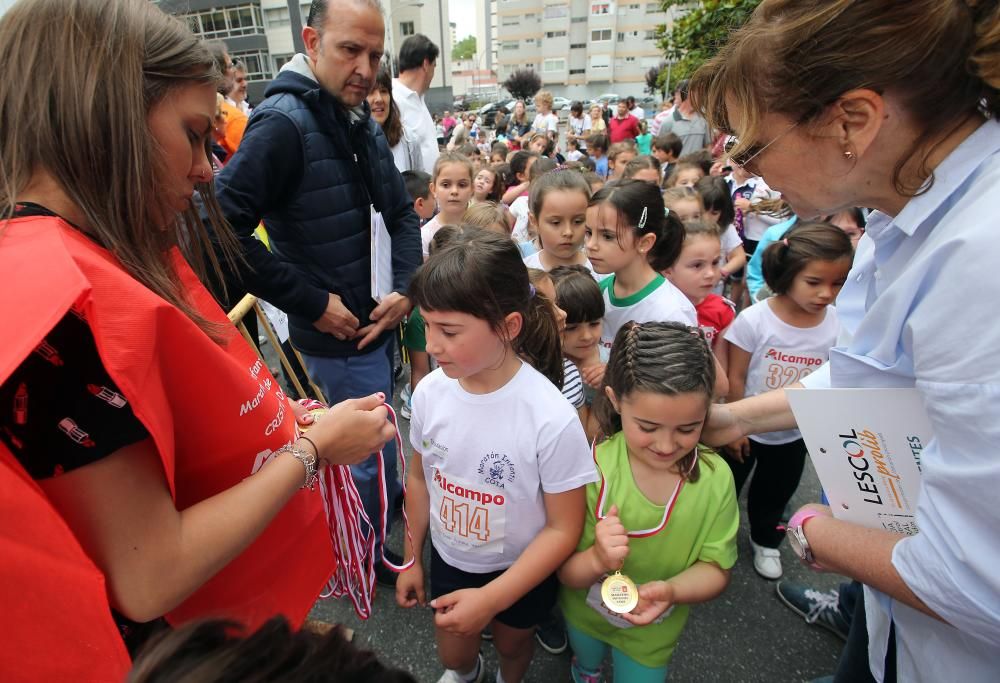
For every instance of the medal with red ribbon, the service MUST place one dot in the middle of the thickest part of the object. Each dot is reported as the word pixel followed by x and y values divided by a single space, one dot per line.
pixel 352 533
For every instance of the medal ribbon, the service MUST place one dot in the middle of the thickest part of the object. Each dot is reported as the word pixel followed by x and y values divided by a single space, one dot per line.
pixel 352 533
pixel 603 494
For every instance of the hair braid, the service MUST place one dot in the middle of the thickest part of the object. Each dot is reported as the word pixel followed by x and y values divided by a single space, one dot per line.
pixel 664 358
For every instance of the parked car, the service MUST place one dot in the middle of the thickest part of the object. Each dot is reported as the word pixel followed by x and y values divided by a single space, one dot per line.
pixel 608 99
pixel 560 103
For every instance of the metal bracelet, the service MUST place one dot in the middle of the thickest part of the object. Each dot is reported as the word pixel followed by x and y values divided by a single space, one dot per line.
pixel 308 461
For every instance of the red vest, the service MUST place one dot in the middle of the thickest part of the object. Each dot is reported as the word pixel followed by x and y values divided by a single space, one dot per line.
pixel 215 414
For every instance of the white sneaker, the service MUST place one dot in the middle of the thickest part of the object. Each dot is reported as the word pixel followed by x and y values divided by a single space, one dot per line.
pixel 450 676
pixel 766 561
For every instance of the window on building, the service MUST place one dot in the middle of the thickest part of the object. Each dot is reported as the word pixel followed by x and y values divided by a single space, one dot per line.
pixel 511 21
pixel 650 35
pixel 509 45
pixel 575 46
pixel 242 20
pixel 578 20
pixel 575 72
pixel 630 60
pixel 531 17
pixel 600 8
pixel 555 34
pixel 278 61
pixel 406 28
pixel 555 12
pixel 600 61
pixel 653 8
pixel 600 35
pixel 633 7
pixel 277 17
pixel 554 65
pixel 257 62
pixel 529 41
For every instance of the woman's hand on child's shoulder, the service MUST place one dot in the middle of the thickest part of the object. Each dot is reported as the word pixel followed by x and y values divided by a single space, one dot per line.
pixel 610 541
pixel 655 598
pixel 410 587
pixel 464 612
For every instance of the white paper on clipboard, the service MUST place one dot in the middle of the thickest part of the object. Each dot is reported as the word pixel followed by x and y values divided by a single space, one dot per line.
pixel 866 445
pixel 381 257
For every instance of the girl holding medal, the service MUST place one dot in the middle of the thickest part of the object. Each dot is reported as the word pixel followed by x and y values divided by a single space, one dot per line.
pixel 661 524
pixel 499 463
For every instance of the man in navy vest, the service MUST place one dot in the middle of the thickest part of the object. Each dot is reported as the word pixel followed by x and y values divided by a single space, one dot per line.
pixel 311 166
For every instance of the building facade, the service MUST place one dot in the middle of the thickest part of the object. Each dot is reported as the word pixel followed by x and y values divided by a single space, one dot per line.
pixel 263 34
pixel 581 48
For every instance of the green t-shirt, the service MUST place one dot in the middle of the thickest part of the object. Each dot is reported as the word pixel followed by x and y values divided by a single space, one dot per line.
pixel 702 527
pixel 644 143
pixel 414 335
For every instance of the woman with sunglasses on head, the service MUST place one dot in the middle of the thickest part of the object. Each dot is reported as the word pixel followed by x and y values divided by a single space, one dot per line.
pixel 907 127
pixel 149 465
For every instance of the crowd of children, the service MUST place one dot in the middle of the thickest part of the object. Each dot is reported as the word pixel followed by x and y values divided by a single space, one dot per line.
pixel 572 311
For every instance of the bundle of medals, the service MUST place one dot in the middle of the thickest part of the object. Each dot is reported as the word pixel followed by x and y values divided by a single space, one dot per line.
pixel 352 533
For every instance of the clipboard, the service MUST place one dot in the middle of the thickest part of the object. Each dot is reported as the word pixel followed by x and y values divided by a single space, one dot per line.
pixel 866 446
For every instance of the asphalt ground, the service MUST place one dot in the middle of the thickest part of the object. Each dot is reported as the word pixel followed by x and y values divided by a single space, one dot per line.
pixel 746 634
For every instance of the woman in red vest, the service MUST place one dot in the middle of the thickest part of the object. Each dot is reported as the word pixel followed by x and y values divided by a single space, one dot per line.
pixel 149 466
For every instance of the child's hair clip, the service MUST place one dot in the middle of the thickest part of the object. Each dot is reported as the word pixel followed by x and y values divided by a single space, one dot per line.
pixel 642 218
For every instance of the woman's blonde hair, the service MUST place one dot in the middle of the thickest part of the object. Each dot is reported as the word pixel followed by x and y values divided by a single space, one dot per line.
pixel 82 118
pixel 797 57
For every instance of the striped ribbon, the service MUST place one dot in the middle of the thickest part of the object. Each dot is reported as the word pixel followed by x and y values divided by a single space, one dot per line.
pixel 352 533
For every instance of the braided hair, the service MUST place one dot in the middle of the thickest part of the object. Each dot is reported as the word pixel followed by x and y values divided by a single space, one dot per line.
pixel 659 357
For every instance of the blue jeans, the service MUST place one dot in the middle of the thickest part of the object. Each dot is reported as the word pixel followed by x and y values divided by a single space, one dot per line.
pixel 355 377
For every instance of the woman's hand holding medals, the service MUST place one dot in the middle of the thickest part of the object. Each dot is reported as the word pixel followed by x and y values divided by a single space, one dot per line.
pixel 349 432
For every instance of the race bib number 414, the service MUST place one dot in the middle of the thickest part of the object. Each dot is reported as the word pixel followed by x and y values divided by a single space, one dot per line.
pixel 468 517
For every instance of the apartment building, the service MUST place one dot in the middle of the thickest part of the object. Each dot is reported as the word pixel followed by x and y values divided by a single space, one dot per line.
pixel 580 48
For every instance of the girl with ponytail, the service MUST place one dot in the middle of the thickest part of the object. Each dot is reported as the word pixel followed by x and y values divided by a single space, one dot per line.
pixel 499 460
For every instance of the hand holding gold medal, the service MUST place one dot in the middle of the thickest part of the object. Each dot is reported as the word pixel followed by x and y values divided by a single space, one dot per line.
pixel 618 592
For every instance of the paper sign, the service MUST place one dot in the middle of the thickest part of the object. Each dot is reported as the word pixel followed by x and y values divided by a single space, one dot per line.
pixel 277 318
pixel 381 258
pixel 866 445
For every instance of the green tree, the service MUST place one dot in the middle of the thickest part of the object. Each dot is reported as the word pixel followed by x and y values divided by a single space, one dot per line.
pixel 464 49
pixel 698 32
pixel 523 83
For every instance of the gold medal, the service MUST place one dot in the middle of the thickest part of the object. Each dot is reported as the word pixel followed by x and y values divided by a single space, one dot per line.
pixel 316 413
pixel 619 593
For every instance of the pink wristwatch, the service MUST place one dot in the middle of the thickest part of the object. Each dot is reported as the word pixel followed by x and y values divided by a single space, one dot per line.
pixel 797 537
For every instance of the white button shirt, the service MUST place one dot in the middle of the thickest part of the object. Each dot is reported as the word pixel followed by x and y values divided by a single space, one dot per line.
pixel 919 309
pixel 417 122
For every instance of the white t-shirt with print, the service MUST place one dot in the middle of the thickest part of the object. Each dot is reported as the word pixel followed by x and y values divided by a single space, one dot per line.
pixel 780 354
pixel 487 460
pixel 427 231
pixel 659 301
pixel 546 123
pixel 519 210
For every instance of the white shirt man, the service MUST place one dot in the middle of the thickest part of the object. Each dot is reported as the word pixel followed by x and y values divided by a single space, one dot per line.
pixel 417 60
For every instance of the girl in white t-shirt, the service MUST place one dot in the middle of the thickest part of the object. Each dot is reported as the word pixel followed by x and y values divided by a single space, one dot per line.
pixel 452 189
pixel 557 203
pixel 773 344
pixel 500 460
pixel 630 235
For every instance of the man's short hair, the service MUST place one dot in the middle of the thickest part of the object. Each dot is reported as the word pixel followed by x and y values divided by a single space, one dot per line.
pixel 415 50
pixel 317 12
pixel 418 184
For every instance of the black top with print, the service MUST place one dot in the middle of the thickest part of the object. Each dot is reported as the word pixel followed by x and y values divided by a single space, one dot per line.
pixel 60 409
